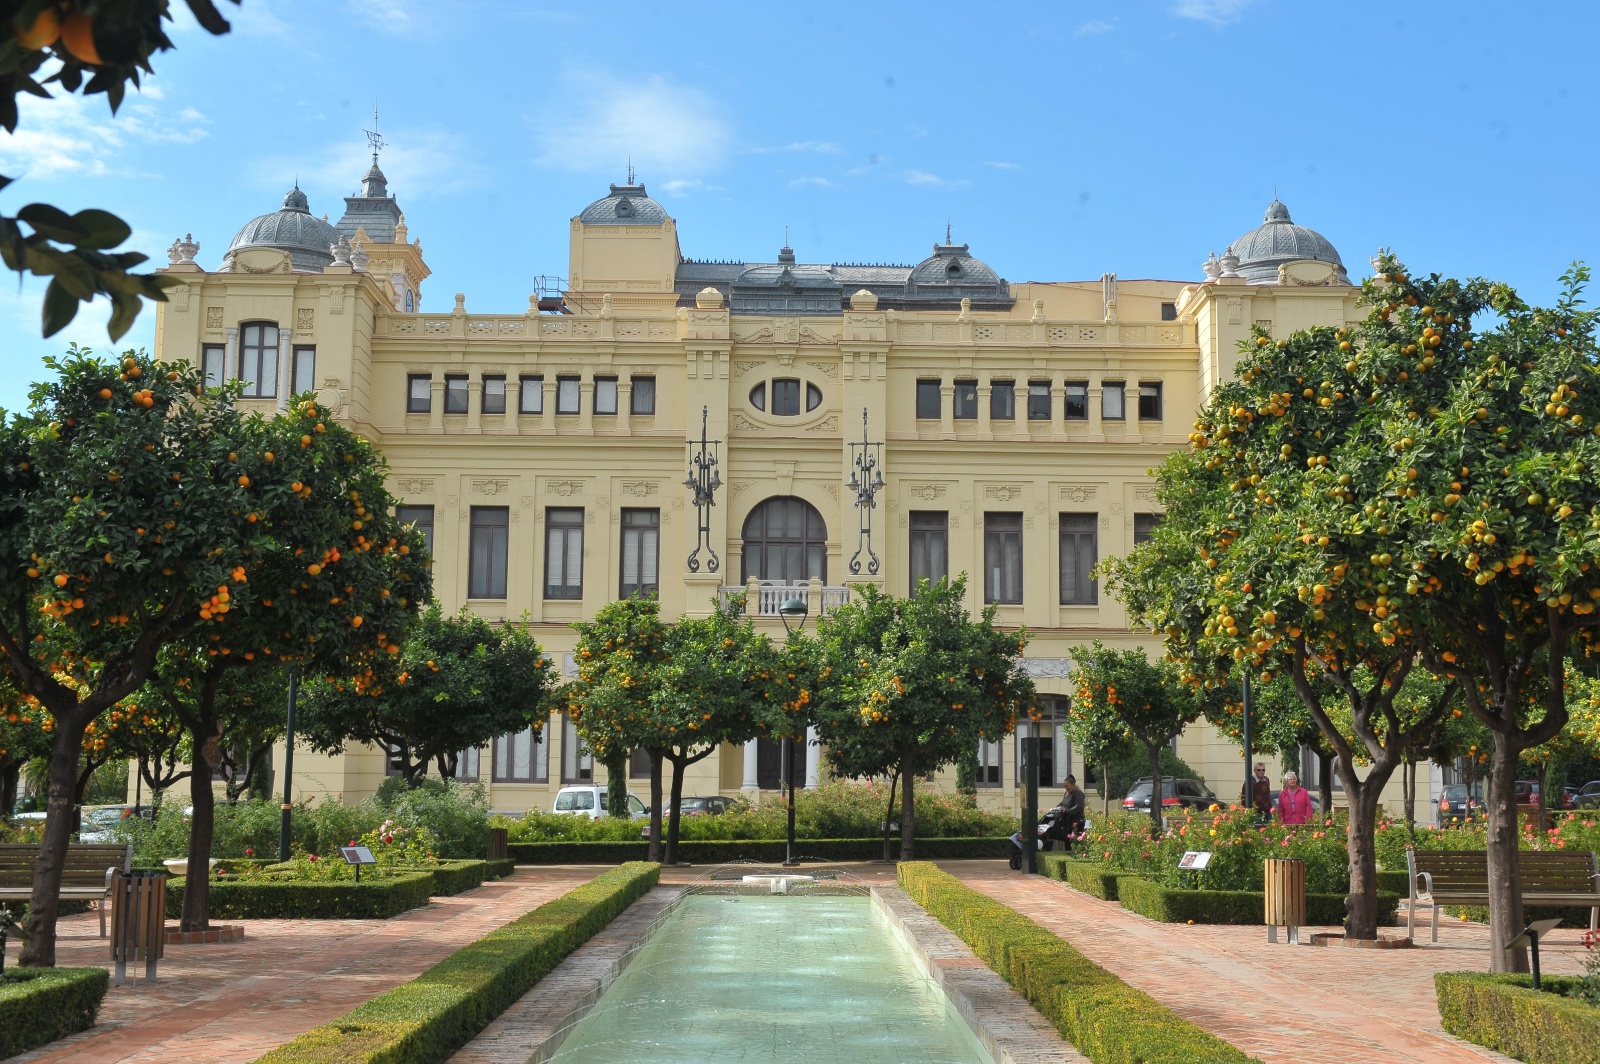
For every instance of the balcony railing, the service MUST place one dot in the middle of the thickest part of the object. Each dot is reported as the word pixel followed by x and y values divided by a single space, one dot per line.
pixel 764 598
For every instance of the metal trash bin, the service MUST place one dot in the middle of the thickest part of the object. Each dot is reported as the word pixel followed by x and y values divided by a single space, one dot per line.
pixel 138 922
pixel 1285 897
pixel 498 838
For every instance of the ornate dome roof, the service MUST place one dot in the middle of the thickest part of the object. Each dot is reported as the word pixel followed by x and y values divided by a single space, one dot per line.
pixel 950 265
pixel 1278 240
pixel 627 205
pixel 291 228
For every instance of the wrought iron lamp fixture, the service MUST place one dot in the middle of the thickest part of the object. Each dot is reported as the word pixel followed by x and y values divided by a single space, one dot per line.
pixel 703 481
pixel 865 480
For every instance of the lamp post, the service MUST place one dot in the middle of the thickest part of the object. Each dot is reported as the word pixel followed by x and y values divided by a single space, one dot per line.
pixel 703 481
pixel 288 767
pixel 866 478
pixel 1028 772
pixel 793 608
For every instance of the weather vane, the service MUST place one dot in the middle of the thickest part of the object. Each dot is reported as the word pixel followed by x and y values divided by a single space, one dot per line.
pixel 375 139
pixel 630 169
pixel 947 233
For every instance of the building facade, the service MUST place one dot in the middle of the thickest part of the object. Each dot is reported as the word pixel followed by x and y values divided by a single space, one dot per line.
pixel 543 449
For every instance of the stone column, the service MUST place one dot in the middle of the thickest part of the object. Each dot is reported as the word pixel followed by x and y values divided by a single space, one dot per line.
pixel 285 367
pixel 436 405
pixel 985 395
pixel 752 780
pixel 547 420
pixel 475 404
pixel 624 401
pixel 586 405
pixel 947 410
pixel 812 753
pixel 1061 758
pixel 230 366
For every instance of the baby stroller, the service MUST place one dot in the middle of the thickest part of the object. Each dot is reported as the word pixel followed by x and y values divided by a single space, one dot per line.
pixel 1051 829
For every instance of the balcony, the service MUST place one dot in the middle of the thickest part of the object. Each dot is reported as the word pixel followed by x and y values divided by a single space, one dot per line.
pixel 764 597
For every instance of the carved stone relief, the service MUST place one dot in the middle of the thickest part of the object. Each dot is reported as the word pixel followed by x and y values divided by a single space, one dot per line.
pixel 740 423
pixel 640 488
pixel 1077 492
pixel 414 485
pixel 927 492
pixel 305 319
pixel 827 369
pixel 827 424
pixel 491 487
pixel 213 317
pixel 742 367
pixel 564 488
pixel 1002 492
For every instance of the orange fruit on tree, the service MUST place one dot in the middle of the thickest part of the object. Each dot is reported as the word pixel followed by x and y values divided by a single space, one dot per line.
pixel 44 32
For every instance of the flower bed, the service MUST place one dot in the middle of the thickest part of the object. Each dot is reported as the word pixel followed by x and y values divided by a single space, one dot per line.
pixel 1505 1013
pixel 1577 830
pixel 425 1020
pixel 1238 847
pixel 39 1005
pixel 721 852
pixel 1108 1020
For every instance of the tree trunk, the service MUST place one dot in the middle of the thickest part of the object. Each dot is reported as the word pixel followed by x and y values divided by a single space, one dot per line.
pixel 894 782
pixel 1155 791
pixel 1325 781
pixel 258 782
pixel 1361 839
pixel 678 770
pixel 654 853
pixel 39 948
pixel 196 914
pixel 8 789
pixel 908 808
pixel 1505 900
pixel 1544 804
pixel 1105 790
pixel 1408 783
pixel 617 784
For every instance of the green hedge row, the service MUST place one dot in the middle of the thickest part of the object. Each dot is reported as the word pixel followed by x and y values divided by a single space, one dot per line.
pixel 453 877
pixel 1091 877
pixel 39 1005
pixel 1505 1013
pixel 1569 917
pixel 367 900
pixel 425 1020
pixel 722 851
pixel 1108 1020
pixel 500 867
pixel 1169 906
pixel 1393 881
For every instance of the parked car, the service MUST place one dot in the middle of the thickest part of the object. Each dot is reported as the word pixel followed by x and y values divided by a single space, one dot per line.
pixel 1175 794
pixel 99 824
pixel 709 806
pixel 590 801
pixel 1457 804
pixel 1588 796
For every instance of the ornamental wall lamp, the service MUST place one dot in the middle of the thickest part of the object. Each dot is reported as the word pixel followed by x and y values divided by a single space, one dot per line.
pixel 866 479
pixel 703 481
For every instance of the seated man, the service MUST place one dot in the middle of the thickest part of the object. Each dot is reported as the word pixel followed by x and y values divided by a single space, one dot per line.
pixel 1069 812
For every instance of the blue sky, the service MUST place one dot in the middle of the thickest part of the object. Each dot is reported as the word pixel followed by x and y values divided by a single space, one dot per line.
pixel 1060 139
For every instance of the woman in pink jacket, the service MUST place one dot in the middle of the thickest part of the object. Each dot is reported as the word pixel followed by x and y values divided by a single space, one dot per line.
pixel 1294 802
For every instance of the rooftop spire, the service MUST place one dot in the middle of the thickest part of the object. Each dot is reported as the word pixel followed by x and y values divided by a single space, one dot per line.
pixel 374 139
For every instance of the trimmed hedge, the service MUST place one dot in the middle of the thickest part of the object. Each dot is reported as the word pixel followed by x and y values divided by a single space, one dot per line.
pixel 453 877
pixel 1171 906
pixel 723 851
pixel 39 1005
pixel 425 1020
pixel 367 900
pixel 1108 1020
pixel 1090 877
pixel 500 867
pixel 1393 881
pixel 1505 1013
pixel 1569 917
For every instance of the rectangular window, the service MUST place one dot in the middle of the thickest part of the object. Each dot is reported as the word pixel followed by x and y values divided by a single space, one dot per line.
pixel 212 360
pixel 494 395
pixel 568 395
pixel 304 370
pixel 1112 401
pixel 605 395
pixel 521 757
pixel 1150 401
pixel 419 393
pixel 638 763
pixel 643 399
pixel 530 395
pixel 487 551
pixel 965 407
pixel 785 397
pixel 467 765
pixel 928 400
pixel 1038 400
pixel 1003 400
pixel 930 547
pixel 258 360
pixel 455 393
pixel 563 554
pixel 577 764
pixel 422 517
pixel 641 551
pixel 988 763
pixel 1075 401
pixel 1079 552
pixel 1144 527
pixel 1169 312
pixel 1002 557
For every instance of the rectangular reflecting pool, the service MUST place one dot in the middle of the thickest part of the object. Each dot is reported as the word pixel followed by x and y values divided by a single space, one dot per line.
pixel 797 978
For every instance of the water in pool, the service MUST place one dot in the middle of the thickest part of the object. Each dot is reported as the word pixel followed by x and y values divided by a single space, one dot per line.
pixel 799 979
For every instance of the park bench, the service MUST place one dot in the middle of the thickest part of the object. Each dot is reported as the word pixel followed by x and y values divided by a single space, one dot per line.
pixel 1461 877
pixel 85 874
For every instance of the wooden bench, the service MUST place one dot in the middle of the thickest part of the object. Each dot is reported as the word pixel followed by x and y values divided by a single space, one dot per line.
pixel 85 875
pixel 1547 878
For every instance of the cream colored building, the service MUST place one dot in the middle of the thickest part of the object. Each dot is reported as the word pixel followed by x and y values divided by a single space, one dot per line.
pixel 544 447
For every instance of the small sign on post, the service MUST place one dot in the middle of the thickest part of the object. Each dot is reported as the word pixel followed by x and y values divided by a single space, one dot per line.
pixel 357 856
pixel 1194 860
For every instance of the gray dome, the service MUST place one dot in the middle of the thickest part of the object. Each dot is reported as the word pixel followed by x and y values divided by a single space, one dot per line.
pixel 795 276
pixel 1277 241
pixel 291 228
pixel 950 270
pixel 627 205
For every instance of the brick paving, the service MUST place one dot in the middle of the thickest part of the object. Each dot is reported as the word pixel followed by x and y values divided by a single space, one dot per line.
pixel 1284 1004
pixel 228 1003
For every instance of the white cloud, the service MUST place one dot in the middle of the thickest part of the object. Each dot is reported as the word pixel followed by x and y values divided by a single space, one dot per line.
pixel 666 129
pixel 821 147
pixel 811 182
pixel 1094 28
pixel 1004 166
pixel 1216 12
pixel 396 16
pixel 922 177
pixel 683 187
pixel 77 136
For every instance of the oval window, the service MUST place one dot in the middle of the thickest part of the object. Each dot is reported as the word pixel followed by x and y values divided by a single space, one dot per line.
pixel 813 397
pixel 758 396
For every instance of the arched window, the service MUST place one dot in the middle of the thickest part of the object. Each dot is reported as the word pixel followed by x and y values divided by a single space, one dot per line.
pixel 785 541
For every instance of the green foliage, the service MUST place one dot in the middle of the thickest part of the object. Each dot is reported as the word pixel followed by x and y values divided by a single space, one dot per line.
pixel 289 899
pixel 1090 877
pixel 455 684
pixel 1109 1021
pixel 1170 905
pixel 768 851
pixel 1237 844
pixel 425 1020
pixel 1132 764
pixel 39 1005
pixel 1504 1013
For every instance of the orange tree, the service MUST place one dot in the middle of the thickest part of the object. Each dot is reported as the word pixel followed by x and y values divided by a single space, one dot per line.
pixel 24 735
pixel 120 517
pixel 457 683
pixel 909 685
pixel 1487 447
pixel 1122 690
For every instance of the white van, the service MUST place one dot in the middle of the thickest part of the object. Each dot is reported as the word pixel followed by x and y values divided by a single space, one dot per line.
pixel 590 801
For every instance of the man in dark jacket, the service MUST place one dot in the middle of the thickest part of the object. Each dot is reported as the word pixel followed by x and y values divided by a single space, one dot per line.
pixel 1069 812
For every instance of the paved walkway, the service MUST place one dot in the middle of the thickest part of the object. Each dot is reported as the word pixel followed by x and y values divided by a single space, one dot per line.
pixel 231 1003
pixel 1283 1004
